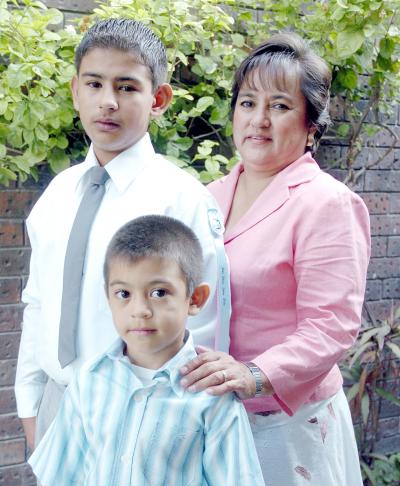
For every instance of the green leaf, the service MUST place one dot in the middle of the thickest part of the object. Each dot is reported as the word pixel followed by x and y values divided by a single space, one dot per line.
pixel 352 392
pixel 17 76
pixel 367 335
pixel 3 106
pixel 41 133
pixel 212 165
pixel 348 42
pixel 206 64
pixel 205 177
pixel 365 407
pixel 368 472
pixel 204 102
pixel 360 350
pixel 388 396
pixel 343 130
pixel 348 79
pixel 384 62
pixel 394 348
pixel 383 331
pixel 386 47
pixel 62 142
pixel 58 160
pixel 342 3
pixel 184 143
pixel 179 162
pixel 3 150
pixel 7 175
pixel 238 40
pixel 23 163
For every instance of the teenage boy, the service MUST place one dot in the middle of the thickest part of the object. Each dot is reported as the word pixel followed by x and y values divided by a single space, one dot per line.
pixel 119 86
pixel 125 419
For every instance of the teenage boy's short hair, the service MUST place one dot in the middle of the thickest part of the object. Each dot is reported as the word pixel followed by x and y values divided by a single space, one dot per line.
pixel 129 36
pixel 158 236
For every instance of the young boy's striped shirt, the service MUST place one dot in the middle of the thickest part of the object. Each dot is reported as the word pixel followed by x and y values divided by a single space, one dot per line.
pixel 113 431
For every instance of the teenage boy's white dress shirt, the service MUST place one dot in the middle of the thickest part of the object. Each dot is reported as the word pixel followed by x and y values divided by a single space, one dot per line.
pixel 111 430
pixel 141 182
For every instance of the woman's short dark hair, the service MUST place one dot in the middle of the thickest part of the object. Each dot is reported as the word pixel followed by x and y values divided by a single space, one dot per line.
pixel 287 53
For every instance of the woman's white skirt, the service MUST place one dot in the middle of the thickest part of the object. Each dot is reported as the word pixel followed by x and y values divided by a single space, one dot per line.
pixel 314 447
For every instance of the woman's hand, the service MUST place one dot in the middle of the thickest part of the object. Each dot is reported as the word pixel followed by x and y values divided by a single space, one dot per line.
pixel 218 373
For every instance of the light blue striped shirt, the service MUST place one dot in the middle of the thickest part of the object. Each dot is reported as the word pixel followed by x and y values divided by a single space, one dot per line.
pixel 113 431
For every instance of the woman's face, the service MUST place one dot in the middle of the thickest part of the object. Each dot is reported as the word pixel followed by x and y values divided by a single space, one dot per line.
pixel 270 127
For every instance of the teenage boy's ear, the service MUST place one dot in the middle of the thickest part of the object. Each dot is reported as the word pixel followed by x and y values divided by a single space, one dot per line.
pixel 74 91
pixel 162 99
pixel 198 298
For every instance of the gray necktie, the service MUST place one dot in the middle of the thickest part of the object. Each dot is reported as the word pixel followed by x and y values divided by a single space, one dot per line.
pixel 74 262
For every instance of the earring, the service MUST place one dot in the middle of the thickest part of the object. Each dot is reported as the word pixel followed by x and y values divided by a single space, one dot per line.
pixel 310 140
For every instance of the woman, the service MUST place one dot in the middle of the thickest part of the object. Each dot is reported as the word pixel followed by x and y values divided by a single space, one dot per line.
pixel 298 243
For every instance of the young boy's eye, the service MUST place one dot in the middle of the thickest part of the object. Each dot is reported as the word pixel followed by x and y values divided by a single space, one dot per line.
pixel 127 88
pixel 122 294
pixel 94 84
pixel 158 293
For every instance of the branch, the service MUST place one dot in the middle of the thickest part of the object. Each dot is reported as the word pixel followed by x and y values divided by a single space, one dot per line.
pixel 352 177
pixel 357 126
pixel 13 151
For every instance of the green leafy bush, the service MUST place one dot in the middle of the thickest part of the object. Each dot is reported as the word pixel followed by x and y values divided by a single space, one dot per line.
pixel 206 40
pixel 36 115
pixel 384 470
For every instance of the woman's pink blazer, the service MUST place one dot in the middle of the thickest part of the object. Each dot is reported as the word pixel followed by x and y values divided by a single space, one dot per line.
pixel 298 260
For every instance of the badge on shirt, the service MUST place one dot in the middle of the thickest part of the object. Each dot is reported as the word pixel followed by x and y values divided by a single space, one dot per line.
pixel 215 222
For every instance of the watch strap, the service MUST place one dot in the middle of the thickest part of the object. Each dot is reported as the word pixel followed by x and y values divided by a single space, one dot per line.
pixel 256 372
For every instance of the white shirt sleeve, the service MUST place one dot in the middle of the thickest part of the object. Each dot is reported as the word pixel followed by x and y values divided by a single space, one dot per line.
pixel 230 456
pixel 30 379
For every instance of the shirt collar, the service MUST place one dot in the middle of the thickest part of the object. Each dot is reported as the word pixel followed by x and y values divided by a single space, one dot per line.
pixel 169 370
pixel 125 167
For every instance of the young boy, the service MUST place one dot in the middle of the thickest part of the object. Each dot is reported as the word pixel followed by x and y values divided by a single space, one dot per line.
pixel 119 86
pixel 125 419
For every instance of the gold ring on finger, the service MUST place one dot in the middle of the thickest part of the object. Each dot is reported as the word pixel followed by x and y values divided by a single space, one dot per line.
pixel 225 376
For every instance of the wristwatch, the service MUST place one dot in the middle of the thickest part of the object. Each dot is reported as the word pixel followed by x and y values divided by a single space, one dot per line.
pixel 256 372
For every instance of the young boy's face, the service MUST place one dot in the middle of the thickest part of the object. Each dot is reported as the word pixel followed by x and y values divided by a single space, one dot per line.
pixel 149 304
pixel 114 96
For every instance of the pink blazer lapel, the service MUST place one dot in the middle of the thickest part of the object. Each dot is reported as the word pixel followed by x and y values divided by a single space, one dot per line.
pixel 273 197
pixel 224 189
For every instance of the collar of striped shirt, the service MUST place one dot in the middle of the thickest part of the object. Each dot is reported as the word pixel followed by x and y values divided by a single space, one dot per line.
pixel 169 371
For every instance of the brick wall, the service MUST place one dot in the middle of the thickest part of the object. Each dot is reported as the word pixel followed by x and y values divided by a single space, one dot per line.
pixel 380 189
pixel 15 204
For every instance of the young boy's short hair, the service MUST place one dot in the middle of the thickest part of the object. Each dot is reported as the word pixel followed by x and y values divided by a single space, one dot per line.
pixel 158 236
pixel 129 36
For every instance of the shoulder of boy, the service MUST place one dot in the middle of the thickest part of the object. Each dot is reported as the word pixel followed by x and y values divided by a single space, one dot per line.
pixel 58 186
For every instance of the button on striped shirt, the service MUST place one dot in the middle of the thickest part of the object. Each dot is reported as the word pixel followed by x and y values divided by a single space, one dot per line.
pixel 113 431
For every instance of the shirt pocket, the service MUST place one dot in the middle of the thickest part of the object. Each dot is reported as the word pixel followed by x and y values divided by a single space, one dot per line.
pixel 183 458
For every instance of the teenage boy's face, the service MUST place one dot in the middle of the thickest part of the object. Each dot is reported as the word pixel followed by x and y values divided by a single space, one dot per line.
pixel 149 304
pixel 114 96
